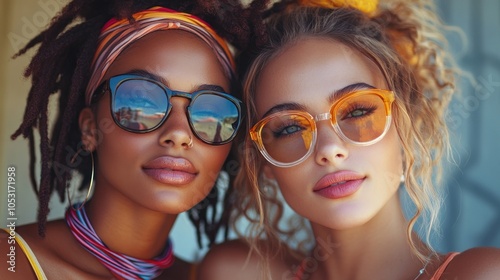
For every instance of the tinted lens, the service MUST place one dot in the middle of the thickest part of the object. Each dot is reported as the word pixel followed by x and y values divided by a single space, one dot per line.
pixel 138 105
pixel 361 118
pixel 214 118
pixel 287 137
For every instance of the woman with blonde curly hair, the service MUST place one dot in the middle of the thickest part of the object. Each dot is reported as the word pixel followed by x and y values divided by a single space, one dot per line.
pixel 346 104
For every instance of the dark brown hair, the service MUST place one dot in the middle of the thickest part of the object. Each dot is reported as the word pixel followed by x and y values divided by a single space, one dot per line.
pixel 61 67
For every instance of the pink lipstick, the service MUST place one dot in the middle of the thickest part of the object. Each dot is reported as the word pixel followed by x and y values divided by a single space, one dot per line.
pixel 170 170
pixel 339 184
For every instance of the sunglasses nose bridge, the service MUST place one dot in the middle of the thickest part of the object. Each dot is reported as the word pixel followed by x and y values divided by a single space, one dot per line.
pixel 182 94
pixel 187 95
pixel 323 117
pixel 329 116
pixel 319 118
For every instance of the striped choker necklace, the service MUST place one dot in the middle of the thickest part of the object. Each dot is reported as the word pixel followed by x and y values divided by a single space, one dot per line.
pixel 122 266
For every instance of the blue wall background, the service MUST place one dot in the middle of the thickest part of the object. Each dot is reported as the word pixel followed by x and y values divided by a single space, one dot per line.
pixel 471 216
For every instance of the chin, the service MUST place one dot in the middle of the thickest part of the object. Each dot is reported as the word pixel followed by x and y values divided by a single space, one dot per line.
pixel 339 220
pixel 170 204
pixel 173 207
pixel 185 205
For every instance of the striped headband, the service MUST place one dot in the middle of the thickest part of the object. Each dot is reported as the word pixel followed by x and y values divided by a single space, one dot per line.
pixel 116 35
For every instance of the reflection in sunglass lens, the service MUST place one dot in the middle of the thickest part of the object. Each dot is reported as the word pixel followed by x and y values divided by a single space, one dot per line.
pixel 139 105
pixel 214 118
pixel 288 136
pixel 361 118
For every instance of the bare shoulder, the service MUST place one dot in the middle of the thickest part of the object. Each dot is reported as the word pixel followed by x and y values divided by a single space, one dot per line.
pixel 15 264
pixel 476 263
pixel 236 258
pixel 58 254
pixel 229 258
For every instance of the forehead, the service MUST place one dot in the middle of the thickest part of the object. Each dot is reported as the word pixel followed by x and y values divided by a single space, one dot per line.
pixel 310 70
pixel 177 56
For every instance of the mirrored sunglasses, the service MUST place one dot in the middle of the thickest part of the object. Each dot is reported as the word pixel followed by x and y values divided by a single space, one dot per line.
pixel 140 104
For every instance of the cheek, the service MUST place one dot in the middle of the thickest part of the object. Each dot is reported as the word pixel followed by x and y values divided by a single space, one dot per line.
pixel 117 149
pixel 106 126
pixel 119 153
pixel 291 181
pixel 211 158
pixel 387 161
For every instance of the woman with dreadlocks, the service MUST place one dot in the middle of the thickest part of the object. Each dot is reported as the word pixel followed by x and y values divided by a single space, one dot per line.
pixel 345 107
pixel 147 111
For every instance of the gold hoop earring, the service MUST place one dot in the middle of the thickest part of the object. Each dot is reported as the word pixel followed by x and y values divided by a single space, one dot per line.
pixel 91 180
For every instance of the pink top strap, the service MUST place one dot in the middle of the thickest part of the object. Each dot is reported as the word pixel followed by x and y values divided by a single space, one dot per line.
pixel 300 271
pixel 443 266
pixel 436 276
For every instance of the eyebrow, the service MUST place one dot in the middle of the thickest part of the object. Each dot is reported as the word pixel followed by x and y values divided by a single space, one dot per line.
pixel 337 94
pixel 284 107
pixel 331 99
pixel 157 78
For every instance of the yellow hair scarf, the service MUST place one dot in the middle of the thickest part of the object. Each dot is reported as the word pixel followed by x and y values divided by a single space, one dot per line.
pixel 366 6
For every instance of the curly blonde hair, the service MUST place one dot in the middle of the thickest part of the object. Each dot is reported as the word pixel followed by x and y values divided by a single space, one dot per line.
pixel 405 40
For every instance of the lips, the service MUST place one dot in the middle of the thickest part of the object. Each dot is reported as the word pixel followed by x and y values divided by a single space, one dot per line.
pixel 170 170
pixel 339 184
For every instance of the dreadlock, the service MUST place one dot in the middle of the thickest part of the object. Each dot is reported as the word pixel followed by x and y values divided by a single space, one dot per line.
pixel 62 66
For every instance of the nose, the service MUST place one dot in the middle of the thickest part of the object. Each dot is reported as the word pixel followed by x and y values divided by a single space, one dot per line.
pixel 175 131
pixel 330 148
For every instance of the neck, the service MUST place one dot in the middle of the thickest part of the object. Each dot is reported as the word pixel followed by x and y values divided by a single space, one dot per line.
pixel 377 249
pixel 128 228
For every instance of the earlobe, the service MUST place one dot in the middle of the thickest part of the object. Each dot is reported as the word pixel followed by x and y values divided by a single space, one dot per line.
pixel 268 173
pixel 88 128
